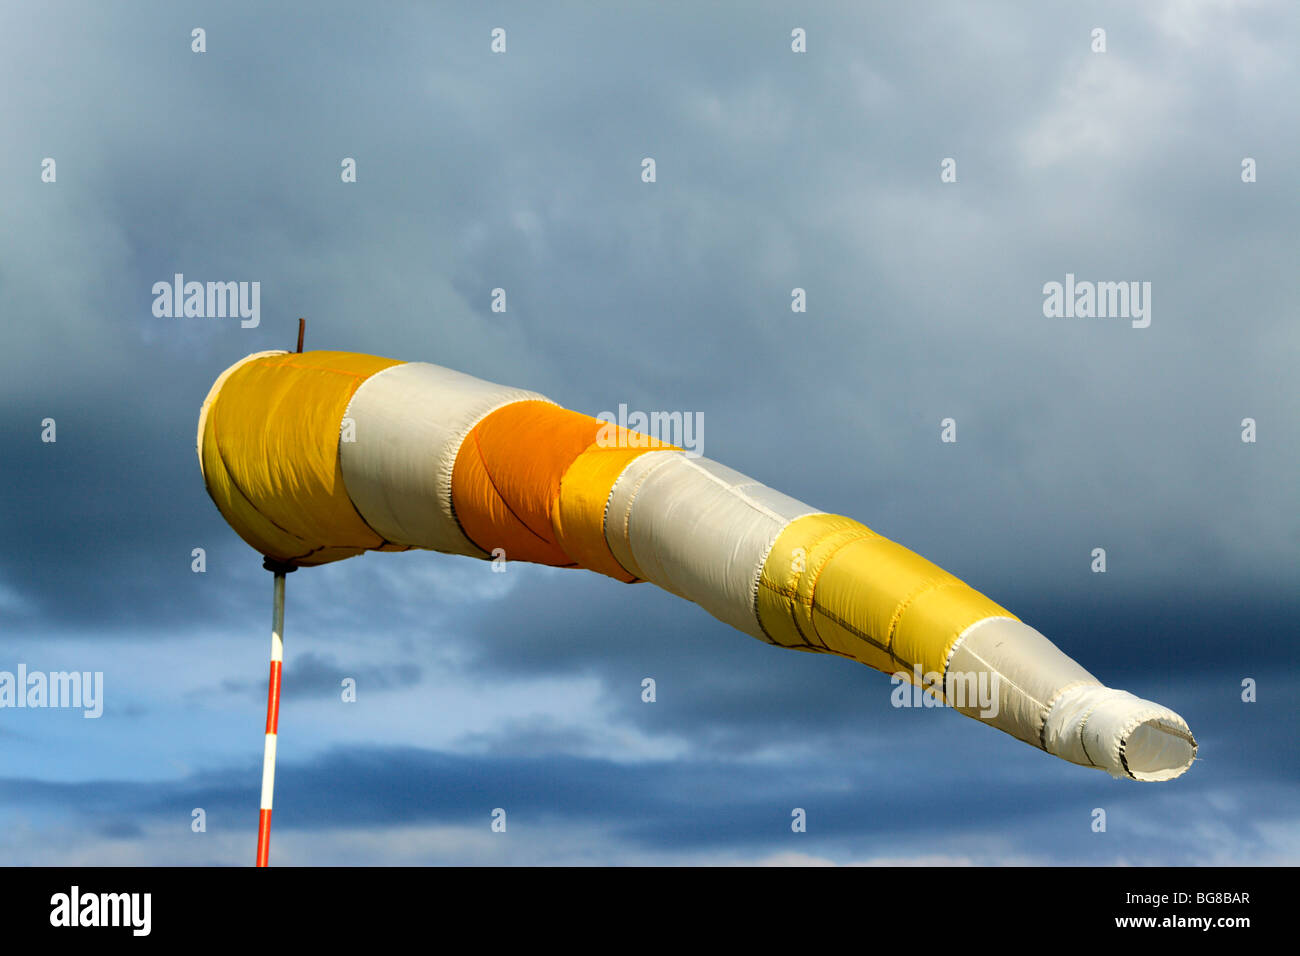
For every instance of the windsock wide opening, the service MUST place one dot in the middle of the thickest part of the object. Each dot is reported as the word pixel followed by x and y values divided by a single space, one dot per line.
pixel 1157 750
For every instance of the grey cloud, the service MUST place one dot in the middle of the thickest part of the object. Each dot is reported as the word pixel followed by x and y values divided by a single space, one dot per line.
pixel 319 675
pixel 775 171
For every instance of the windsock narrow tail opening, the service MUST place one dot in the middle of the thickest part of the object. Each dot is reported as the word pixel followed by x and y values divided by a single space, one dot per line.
pixel 1119 733
pixel 1045 698
pixel 1159 749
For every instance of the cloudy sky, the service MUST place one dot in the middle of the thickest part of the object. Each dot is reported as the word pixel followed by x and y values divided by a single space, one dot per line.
pixel 775 170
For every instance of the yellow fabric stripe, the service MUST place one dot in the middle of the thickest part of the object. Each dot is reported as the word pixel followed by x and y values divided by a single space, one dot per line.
pixel 234 507
pixel 238 511
pixel 271 436
pixel 834 585
pixel 579 520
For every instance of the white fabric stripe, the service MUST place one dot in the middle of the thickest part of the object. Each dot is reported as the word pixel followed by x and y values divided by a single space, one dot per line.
pixel 618 507
pixel 409 422
pixel 698 529
pixel 1030 671
pixel 1047 699
pixel 1119 733
pixel 268 772
pixel 738 490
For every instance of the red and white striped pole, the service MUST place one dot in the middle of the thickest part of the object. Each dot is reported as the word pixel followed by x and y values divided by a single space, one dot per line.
pixel 273 690
pixel 272 710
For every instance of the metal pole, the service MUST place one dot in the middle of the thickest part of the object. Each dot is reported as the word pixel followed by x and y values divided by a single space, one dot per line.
pixel 272 710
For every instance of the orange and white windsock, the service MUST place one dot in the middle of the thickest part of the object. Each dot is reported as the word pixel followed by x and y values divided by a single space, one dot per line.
pixel 317 456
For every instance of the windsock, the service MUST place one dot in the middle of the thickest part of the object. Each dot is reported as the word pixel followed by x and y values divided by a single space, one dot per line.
pixel 314 457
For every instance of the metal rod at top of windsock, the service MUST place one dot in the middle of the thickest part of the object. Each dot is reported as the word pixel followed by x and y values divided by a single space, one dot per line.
pixel 320 456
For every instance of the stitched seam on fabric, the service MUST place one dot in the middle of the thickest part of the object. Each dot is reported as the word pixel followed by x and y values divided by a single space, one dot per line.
pixel 338 469
pixel 757 586
pixel 931 584
pixel 604 517
pixel 230 476
pixel 963 635
pixel 597 448
pixel 811 604
pixel 631 504
pixel 1051 702
pixel 478 448
pixel 451 452
pixel 1083 741
pixel 734 491
pixel 798 628
pixel 791 595
pixel 1003 678
pixel 852 629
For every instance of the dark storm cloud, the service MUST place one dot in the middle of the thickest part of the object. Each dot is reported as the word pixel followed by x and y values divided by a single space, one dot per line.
pixel 676 297
pixel 818 171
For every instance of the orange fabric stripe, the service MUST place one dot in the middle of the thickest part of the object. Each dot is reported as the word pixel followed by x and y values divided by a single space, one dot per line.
pixel 507 478
pixel 579 518
pixel 506 485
